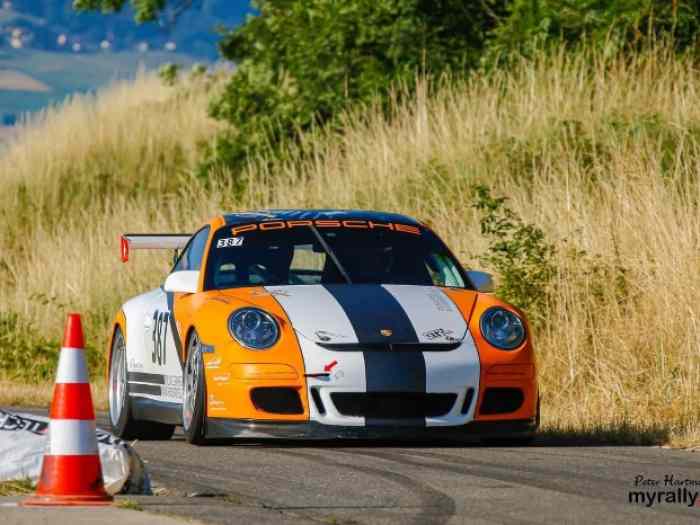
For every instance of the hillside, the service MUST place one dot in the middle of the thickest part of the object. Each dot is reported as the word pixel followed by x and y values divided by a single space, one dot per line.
pixel 50 44
pixel 53 25
pixel 599 153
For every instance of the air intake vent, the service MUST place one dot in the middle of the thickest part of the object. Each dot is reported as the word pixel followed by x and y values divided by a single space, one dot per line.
pixel 501 400
pixel 316 396
pixel 467 400
pixel 277 400
pixel 393 405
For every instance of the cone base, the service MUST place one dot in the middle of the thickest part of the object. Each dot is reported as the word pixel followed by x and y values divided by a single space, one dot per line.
pixel 68 501
pixel 70 480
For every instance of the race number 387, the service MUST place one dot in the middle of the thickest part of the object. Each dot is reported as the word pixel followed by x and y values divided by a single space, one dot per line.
pixel 230 242
pixel 160 332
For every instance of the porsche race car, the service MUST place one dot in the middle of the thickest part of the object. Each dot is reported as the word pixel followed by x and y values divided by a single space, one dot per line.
pixel 304 324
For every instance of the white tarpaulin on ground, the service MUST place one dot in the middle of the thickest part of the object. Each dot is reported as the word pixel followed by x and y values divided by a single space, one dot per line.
pixel 23 439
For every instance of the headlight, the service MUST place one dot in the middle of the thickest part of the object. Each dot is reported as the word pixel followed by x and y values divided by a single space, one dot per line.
pixel 502 329
pixel 253 328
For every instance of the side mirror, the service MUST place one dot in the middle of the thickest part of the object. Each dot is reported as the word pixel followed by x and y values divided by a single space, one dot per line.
pixel 182 282
pixel 482 281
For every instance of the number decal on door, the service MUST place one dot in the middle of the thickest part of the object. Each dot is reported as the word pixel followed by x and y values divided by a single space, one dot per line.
pixel 160 332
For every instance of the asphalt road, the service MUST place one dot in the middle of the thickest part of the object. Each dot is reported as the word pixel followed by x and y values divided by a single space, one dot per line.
pixel 429 484
pixel 433 483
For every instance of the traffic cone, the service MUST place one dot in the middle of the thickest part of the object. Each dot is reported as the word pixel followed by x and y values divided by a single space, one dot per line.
pixel 71 473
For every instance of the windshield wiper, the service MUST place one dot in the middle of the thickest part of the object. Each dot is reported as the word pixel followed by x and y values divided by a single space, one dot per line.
pixel 331 254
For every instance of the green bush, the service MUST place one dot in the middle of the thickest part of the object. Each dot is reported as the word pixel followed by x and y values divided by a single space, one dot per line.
pixel 518 252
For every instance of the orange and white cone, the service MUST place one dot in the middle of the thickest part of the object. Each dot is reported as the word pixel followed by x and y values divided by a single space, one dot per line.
pixel 71 473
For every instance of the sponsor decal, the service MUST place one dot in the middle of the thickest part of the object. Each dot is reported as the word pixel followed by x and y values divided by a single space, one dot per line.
pixel 671 490
pixel 326 336
pixel 11 422
pixel 440 333
pixel 230 242
pixel 134 365
pixel 15 422
pixel 222 378
pixel 330 366
pixel 351 224
pixel 442 304
pixel 213 364
pixel 386 332
pixel 215 403
pixel 172 387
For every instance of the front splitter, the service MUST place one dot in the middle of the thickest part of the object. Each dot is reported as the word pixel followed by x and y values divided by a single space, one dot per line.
pixel 218 428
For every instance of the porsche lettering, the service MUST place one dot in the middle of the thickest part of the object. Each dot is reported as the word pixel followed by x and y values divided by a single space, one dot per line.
pixel 357 224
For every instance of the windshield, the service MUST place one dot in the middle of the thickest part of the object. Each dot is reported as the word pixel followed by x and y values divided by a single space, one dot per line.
pixel 328 252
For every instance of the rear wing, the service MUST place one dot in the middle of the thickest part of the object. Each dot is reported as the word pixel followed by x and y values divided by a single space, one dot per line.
pixel 152 241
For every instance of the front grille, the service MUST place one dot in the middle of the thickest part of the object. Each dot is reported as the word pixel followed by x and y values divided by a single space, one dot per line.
pixel 391 347
pixel 393 405
pixel 277 400
pixel 501 400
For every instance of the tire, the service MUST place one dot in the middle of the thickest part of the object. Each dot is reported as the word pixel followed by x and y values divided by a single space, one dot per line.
pixel 194 389
pixel 120 414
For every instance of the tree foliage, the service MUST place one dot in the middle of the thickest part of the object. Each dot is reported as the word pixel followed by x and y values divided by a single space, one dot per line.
pixel 615 23
pixel 300 63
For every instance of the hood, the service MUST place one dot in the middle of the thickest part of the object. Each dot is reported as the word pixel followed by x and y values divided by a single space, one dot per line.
pixel 371 314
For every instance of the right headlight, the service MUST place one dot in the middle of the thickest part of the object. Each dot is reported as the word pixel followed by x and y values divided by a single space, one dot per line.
pixel 502 328
pixel 253 328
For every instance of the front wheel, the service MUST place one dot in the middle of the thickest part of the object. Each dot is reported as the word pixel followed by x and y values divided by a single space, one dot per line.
pixel 195 393
pixel 120 415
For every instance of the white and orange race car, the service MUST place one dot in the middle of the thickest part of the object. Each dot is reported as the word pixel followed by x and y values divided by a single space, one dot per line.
pixel 318 324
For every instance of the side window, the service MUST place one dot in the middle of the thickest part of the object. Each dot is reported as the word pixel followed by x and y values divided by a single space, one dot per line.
pixel 191 258
pixel 443 272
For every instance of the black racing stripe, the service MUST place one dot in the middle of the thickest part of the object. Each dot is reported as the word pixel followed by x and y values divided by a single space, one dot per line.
pixel 141 377
pixel 395 372
pixel 136 388
pixel 173 327
pixel 372 309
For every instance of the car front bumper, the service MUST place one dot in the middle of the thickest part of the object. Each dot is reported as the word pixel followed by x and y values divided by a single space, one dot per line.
pixel 218 428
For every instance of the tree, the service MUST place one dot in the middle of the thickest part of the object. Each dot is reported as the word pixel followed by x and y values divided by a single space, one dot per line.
pixel 301 62
pixel 144 10
pixel 622 24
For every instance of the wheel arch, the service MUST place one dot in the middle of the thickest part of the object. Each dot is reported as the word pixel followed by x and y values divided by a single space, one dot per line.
pixel 188 333
pixel 119 322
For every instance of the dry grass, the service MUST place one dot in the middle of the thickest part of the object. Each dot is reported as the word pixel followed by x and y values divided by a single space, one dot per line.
pixel 38 395
pixel 16 487
pixel 602 154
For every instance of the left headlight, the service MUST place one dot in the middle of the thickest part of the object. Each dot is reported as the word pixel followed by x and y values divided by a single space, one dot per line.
pixel 502 328
pixel 253 328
